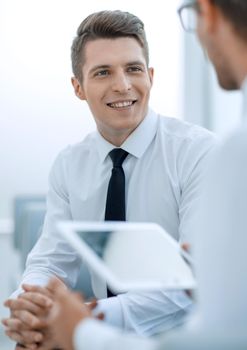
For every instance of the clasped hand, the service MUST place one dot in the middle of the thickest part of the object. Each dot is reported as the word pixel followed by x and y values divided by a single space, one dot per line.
pixel 44 318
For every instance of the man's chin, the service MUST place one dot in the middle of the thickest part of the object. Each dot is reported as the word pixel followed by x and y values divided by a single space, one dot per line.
pixel 228 84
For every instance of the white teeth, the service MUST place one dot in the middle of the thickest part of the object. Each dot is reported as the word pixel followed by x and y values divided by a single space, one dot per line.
pixel 121 104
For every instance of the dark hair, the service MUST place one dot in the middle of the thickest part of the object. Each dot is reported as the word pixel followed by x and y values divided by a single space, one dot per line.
pixel 106 25
pixel 236 12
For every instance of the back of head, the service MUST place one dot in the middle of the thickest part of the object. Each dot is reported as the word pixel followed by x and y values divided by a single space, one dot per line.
pixel 106 25
pixel 236 12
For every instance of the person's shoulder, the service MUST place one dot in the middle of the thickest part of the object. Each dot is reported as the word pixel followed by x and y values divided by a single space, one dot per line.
pixel 181 129
pixel 79 148
pixel 235 144
pixel 77 151
pixel 228 164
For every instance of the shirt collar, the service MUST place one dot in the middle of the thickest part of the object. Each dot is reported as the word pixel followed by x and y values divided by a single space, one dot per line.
pixel 137 142
pixel 244 89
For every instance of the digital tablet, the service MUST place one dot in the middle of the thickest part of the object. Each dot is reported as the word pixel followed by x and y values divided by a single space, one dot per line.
pixel 130 256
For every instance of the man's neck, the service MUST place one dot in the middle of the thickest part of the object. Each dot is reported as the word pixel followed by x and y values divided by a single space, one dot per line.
pixel 244 89
pixel 239 59
pixel 116 139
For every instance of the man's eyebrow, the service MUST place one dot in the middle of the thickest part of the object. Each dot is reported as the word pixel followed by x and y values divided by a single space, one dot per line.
pixel 107 66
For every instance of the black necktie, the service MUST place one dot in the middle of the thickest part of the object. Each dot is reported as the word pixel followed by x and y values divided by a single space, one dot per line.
pixel 115 201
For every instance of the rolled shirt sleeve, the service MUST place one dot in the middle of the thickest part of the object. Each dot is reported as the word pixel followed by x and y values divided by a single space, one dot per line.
pixel 147 313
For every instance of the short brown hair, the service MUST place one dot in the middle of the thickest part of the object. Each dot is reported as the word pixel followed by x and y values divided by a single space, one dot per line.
pixel 236 12
pixel 106 25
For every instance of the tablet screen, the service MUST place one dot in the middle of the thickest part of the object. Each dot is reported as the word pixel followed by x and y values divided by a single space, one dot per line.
pixel 131 257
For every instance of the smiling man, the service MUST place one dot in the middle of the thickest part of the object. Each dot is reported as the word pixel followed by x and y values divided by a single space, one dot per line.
pixel 156 179
pixel 116 90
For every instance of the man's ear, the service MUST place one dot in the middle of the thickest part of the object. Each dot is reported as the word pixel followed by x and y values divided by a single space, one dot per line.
pixel 208 14
pixel 151 75
pixel 79 92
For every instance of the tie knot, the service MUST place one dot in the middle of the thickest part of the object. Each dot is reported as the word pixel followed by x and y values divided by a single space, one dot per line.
pixel 118 156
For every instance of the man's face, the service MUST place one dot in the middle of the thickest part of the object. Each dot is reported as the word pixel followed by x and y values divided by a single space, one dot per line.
pixel 212 31
pixel 116 85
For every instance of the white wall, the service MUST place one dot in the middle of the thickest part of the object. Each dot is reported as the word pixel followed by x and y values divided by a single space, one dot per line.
pixel 39 115
pixel 205 103
pixel 226 107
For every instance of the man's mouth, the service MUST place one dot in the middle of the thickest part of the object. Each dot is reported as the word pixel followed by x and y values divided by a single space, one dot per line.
pixel 121 104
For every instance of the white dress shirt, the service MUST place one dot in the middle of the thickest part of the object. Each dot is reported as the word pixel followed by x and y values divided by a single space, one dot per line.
pixel 220 258
pixel 163 170
pixel 223 306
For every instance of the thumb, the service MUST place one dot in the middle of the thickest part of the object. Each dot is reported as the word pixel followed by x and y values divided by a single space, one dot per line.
pixel 186 247
pixel 56 287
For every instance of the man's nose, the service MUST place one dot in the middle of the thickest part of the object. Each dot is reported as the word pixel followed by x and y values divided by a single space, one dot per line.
pixel 121 83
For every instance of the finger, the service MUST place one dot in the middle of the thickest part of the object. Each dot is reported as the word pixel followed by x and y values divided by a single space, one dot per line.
pixel 7 302
pixel 24 304
pixel 57 288
pixel 27 337
pixel 186 247
pixel 13 324
pixel 20 347
pixel 92 305
pixel 36 289
pixel 18 338
pixel 29 319
pixel 100 316
pixel 37 298
pixel 55 284
pixel 79 296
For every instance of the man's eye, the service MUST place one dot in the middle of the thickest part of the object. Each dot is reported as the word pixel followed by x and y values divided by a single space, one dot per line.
pixel 134 69
pixel 102 73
